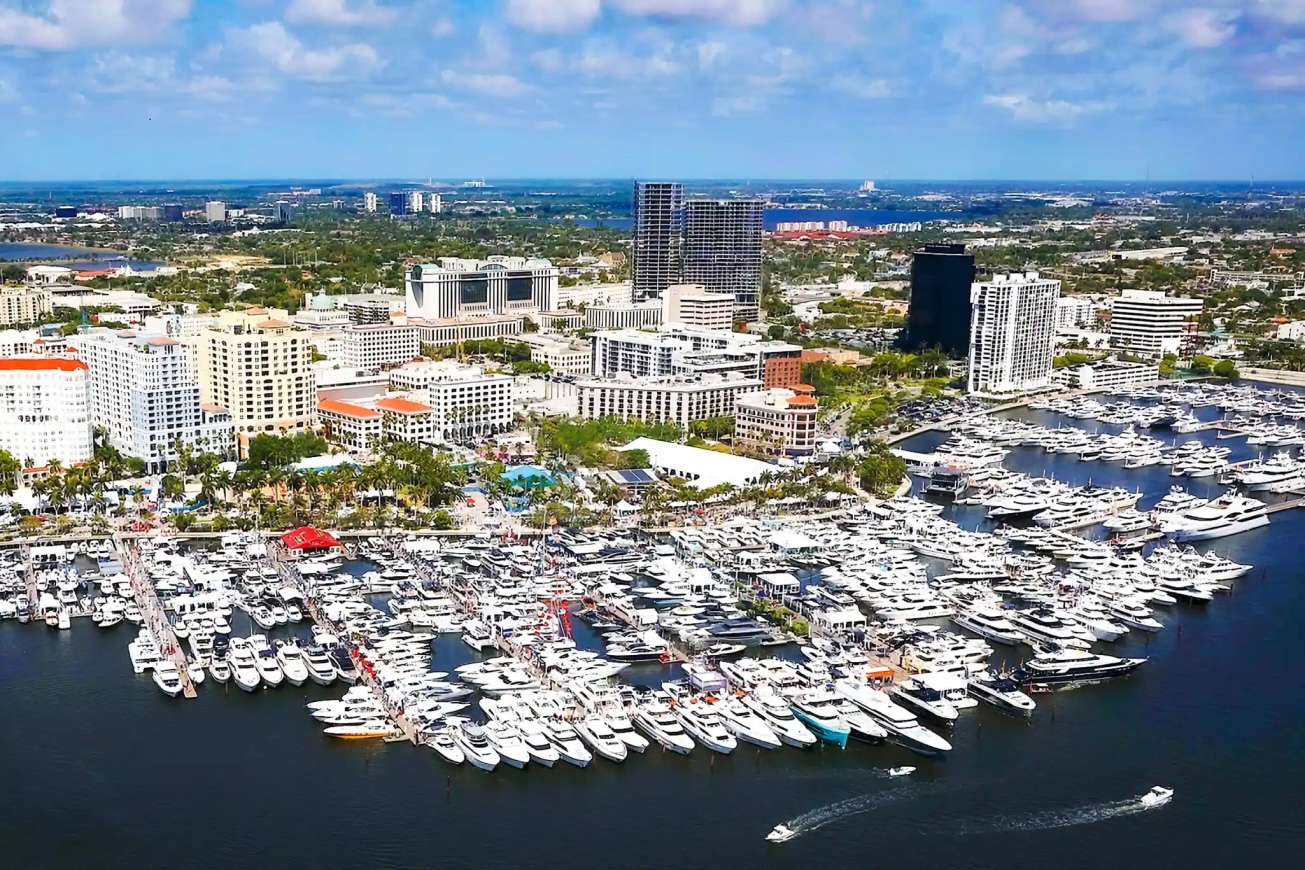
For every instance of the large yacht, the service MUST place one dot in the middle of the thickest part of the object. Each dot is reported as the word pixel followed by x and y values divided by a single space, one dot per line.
pixel 1227 515
pixel 1278 472
pixel 902 726
pixel 1074 666
pixel 1002 693
pixel 989 624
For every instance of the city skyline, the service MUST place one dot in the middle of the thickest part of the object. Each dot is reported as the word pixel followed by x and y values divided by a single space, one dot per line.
pixel 769 89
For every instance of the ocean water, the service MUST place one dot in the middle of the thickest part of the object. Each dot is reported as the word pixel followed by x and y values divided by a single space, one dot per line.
pixel 100 769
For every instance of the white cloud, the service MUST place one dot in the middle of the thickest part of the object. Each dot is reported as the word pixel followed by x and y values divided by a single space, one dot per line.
pixel 866 89
pixel 274 44
pixel 1203 28
pixel 553 16
pixel 487 84
pixel 745 104
pixel 62 25
pixel 1285 11
pixel 1029 110
pixel 363 12
pixel 709 53
pixel 744 12
pixel 606 61
pixel 8 92
pixel 442 27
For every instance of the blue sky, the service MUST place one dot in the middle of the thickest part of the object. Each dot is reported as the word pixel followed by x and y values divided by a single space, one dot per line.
pixel 928 89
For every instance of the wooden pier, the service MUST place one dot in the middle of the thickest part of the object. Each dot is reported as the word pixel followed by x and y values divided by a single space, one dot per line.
pixel 154 617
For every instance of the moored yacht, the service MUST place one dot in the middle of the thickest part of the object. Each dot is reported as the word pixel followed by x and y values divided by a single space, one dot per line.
pixel 916 695
pixel 1073 666
pixel 659 723
pixel 1229 514
pixel 822 718
pixel 901 724
pixel 1001 692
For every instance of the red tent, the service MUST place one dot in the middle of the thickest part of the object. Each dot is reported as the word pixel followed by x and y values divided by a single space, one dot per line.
pixel 308 538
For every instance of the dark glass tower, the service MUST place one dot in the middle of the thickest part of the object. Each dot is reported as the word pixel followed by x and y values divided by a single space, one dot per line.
pixel 657 255
pixel 941 276
pixel 722 250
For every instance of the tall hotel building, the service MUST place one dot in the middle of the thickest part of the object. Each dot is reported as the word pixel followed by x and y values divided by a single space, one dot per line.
pixel 1012 333
pixel 469 288
pixel 45 410
pixel 657 253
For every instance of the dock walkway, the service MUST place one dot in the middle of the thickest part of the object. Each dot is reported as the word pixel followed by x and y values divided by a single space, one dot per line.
pixel 153 616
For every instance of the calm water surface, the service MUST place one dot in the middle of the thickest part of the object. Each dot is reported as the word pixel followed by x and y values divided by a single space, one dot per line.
pixel 99 769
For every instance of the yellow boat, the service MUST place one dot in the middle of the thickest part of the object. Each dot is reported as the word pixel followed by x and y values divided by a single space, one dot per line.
pixel 365 731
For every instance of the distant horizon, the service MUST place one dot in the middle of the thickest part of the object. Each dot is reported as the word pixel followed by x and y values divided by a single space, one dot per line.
pixel 456 181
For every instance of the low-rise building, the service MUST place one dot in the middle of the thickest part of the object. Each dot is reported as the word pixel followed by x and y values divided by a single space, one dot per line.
pixel 499 285
pixel 45 411
pixel 22 305
pixel 402 419
pixel 1152 323
pixel 623 315
pixel 561 321
pixel 778 421
pixel 562 356
pixel 679 399
pixel 1108 375
pixel 468 402
pixel 443 333
pixel 581 295
pixel 1293 331
pixel 695 306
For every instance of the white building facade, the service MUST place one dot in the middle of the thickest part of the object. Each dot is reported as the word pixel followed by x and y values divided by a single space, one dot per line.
pixel 1075 312
pixel 691 305
pixel 257 366
pixel 777 421
pixel 22 305
pixel 145 396
pixel 625 315
pixel 1012 333
pixel 381 345
pixel 679 399
pixel 1152 323
pixel 463 288
pixel 45 410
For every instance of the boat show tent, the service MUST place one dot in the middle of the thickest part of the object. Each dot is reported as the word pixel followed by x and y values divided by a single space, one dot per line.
pixel 308 538
pixel 704 468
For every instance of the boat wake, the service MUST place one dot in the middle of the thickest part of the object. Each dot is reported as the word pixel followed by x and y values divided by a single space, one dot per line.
pixel 821 816
pixel 1049 819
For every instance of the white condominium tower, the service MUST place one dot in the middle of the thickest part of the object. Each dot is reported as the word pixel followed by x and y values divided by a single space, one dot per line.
pixel 44 410
pixel 145 396
pixel 1012 333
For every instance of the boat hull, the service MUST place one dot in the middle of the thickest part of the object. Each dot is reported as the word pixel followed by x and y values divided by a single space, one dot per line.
pixel 824 733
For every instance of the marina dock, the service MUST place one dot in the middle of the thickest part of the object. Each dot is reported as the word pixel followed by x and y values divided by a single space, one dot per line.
pixel 154 617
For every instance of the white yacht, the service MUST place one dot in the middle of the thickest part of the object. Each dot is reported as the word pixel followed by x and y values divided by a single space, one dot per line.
pixel 1042 626
pixel 746 725
pixel 566 740
pixel 915 695
pixel 318 662
pixel 699 719
pixel 220 670
pixel 595 731
pixel 244 667
pixel 1001 692
pixel 444 743
pixel 507 742
pixel 293 666
pixel 776 713
pixel 475 746
pixel 901 724
pixel 657 720
pixel 167 678
pixel 1229 514
pixel 1280 471
pixel 1074 667
pixel 265 661
pixel 990 624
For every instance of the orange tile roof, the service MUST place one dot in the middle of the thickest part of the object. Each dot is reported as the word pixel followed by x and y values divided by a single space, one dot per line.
pixel 162 342
pixel 802 400
pixel 402 406
pixel 46 364
pixel 274 324
pixel 334 406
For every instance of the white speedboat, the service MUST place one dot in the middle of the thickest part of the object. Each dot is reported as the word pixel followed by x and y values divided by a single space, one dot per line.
pixel 901 771
pixel 244 668
pixel 320 668
pixel 566 740
pixel 268 670
pixel 369 730
pixel 167 678
pixel 220 670
pixel 1158 796
pixel 780 834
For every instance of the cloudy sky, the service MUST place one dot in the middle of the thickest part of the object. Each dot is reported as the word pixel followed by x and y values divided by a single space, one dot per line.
pixel 926 89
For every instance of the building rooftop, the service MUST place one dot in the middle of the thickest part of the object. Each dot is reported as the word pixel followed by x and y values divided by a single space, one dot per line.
pixel 41 364
pixel 334 406
pixel 402 406
pixel 706 468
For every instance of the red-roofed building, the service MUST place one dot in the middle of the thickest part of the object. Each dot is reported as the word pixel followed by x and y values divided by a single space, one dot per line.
pixel 353 426
pixel 406 420
pixel 307 541
pixel 45 410
pixel 775 421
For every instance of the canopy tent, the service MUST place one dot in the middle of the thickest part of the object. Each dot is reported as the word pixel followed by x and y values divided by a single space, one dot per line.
pixel 308 538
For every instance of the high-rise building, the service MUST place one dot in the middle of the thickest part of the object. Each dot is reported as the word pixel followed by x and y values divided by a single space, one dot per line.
pixel 398 203
pixel 657 253
pixel 255 364
pixel 722 250
pixel 499 285
pixel 172 212
pixel 215 212
pixel 45 410
pixel 941 276
pixel 370 202
pixel 282 212
pixel 145 396
pixel 416 202
pixel 21 305
pixel 1012 333
pixel 1151 323
pixel 435 202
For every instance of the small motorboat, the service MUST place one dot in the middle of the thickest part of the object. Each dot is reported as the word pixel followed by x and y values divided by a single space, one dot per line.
pixel 780 834
pixel 901 771
pixel 367 730
pixel 1157 797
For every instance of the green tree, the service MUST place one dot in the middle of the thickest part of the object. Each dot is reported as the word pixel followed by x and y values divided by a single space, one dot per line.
pixel 1225 368
pixel 881 471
